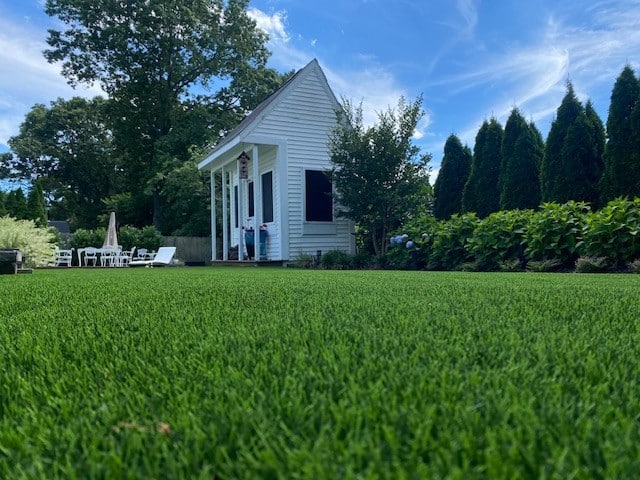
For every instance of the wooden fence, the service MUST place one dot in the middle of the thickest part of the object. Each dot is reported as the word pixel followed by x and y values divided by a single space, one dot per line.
pixel 191 250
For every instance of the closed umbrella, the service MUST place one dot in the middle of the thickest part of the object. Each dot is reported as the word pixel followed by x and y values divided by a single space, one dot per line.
pixel 111 240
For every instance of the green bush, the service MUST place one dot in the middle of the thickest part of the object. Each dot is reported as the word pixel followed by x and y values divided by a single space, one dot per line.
pixel 499 238
pixel 555 233
pixel 544 265
pixel 35 242
pixel 336 260
pixel 593 265
pixel 82 238
pixel 448 243
pixel 304 260
pixel 614 231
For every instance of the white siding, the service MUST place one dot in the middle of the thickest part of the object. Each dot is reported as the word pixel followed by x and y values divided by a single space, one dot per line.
pixel 306 118
pixel 291 132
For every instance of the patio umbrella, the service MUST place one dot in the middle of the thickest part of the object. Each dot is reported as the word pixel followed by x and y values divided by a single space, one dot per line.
pixel 111 240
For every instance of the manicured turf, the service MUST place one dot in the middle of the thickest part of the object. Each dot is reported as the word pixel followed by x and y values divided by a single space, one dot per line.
pixel 281 373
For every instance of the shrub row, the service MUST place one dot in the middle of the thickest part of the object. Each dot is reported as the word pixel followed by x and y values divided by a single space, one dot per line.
pixel 553 237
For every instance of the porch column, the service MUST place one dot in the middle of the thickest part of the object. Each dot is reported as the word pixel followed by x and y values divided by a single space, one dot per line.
pixel 240 214
pixel 214 231
pixel 225 216
pixel 257 202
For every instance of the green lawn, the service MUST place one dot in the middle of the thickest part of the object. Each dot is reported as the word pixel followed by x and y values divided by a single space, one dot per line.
pixel 281 373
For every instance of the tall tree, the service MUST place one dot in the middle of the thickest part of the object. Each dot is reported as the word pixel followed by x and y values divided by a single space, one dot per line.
pixel 380 176
pixel 552 176
pixel 522 151
pixel 69 148
pixel 481 193
pixel 572 163
pixel 622 166
pixel 16 204
pixel 36 208
pixel 453 175
pixel 3 200
pixel 148 56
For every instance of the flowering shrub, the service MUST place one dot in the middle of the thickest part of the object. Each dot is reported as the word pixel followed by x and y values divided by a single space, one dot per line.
pixel 35 242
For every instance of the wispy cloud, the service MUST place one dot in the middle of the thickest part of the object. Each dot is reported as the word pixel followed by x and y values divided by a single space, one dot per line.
pixel 587 45
pixel 366 81
pixel 27 75
pixel 462 29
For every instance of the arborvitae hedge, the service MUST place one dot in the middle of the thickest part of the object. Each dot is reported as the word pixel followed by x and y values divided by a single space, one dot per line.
pixel 454 173
pixel 522 152
pixel 622 166
pixel 481 194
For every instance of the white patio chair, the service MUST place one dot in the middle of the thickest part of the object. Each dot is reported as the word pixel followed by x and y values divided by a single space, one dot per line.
pixel 108 256
pixel 123 258
pixel 163 257
pixel 90 255
pixel 63 257
pixel 141 255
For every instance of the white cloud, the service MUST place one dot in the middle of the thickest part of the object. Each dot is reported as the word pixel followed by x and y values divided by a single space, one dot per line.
pixel 28 78
pixel 273 24
pixel 367 81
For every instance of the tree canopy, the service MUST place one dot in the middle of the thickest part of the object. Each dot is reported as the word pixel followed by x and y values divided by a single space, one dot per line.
pixel 158 61
pixel 380 176
pixel 69 147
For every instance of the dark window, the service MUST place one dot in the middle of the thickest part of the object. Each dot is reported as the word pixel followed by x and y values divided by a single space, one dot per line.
pixel 235 202
pixel 318 201
pixel 251 197
pixel 267 197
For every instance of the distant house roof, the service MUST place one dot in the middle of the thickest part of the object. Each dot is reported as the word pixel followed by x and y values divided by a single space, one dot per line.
pixel 61 225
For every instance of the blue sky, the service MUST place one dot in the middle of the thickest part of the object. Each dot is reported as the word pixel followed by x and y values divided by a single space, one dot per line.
pixel 470 59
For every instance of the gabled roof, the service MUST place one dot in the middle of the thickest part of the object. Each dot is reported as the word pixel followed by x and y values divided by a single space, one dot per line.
pixel 251 121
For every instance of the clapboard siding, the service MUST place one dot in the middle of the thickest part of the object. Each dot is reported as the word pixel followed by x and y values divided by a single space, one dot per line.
pixel 293 126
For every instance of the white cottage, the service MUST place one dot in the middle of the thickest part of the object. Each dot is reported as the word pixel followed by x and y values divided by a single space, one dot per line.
pixel 272 168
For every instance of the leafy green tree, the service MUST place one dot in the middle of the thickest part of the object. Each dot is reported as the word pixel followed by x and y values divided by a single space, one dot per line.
pixel 16 204
pixel 622 165
pixel 5 165
pixel 69 148
pixel 187 191
pixel 380 176
pixel 522 152
pixel 3 200
pixel 453 175
pixel 36 208
pixel 148 56
pixel 481 194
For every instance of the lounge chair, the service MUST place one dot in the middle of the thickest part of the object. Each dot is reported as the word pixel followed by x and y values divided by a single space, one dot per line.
pixel 163 257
